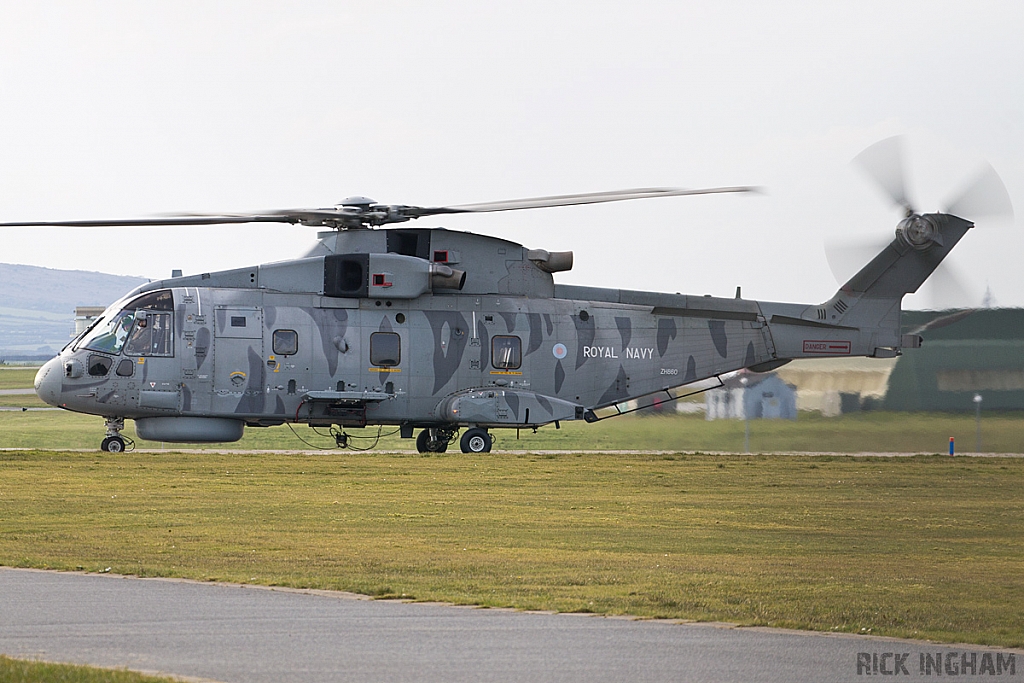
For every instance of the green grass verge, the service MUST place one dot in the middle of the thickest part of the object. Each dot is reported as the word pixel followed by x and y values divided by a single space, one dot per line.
pixel 17 378
pixel 24 671
pixel 21 401
pixel 863 432
pixel 923 547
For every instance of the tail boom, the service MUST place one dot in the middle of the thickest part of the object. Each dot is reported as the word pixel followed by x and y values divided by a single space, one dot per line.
pixel 863 318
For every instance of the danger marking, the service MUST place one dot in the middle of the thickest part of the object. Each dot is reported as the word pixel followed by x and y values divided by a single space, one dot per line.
pixel 827 347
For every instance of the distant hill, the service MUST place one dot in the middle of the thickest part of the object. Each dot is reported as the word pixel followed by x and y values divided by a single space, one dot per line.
pixel 37 305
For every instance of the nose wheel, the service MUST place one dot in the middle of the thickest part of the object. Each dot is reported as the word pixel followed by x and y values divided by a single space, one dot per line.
pixel 114 442
pixel 476 440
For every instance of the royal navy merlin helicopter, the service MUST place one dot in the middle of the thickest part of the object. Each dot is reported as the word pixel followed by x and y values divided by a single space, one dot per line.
pixel 439 331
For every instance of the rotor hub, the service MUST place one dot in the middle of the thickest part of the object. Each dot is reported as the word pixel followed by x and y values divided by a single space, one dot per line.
pixel 362 202
pixel 919 232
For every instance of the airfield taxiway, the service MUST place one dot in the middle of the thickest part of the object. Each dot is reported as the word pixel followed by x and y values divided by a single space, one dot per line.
pixel 232 633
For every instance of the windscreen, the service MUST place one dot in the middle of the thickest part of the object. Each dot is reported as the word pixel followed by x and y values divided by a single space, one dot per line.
pixel 110 332
pixel 152 336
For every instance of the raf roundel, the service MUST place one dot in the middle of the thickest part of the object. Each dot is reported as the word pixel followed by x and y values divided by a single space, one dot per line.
pixel 559 351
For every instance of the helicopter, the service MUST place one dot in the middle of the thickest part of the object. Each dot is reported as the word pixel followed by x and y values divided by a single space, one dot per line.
pixel 440 333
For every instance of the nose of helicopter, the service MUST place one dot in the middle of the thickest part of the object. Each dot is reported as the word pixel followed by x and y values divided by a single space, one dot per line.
pixel 48 382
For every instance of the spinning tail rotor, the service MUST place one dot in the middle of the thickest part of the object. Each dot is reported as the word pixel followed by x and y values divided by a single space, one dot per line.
pixel 884 162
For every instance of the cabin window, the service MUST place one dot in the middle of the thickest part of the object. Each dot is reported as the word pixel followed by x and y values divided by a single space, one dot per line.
pixel 286 342
pixel 385 349
pixel 99 366
pixel 506 352
pixel 151 335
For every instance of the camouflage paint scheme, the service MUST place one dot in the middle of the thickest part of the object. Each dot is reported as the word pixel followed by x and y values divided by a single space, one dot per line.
pixel 582 348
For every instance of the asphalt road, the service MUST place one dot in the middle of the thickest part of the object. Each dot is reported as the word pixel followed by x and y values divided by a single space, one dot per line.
pixel 238 633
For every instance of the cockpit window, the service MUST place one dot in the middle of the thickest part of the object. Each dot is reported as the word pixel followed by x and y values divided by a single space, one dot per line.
pixel 110 334
pixel 153 301
pixel 151 335
pixel 149 338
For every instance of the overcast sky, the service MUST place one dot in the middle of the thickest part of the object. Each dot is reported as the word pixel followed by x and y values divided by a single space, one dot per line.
pixel 130 109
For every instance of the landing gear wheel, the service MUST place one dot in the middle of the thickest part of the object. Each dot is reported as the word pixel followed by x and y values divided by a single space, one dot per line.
pixel 113 444
pixel 432 441
pixel 476 440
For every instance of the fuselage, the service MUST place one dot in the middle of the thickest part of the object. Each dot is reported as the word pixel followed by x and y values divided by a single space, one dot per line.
pixel 435 329
pixel 266 357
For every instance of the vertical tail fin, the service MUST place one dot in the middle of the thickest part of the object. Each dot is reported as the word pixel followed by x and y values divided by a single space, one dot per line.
pixel 902 267
pixel 870 301
pixel 863 318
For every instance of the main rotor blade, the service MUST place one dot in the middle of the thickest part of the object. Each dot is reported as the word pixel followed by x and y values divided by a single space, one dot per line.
pixel 986 195
pixel 372 214
pixel 573 200
pixel 156 222
pixel 883 162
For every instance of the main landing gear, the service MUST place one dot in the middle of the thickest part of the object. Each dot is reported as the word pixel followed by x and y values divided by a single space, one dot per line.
pixel 476 440
pixel 114 442
pixel 436 440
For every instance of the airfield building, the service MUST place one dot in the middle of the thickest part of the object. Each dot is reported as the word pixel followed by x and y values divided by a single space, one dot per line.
pixel 761 396
pixel 964 354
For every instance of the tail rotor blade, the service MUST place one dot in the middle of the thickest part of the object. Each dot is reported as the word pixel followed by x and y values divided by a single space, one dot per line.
pixel 946 289
pixel 883 162
pixel 986 195
pixel 845 258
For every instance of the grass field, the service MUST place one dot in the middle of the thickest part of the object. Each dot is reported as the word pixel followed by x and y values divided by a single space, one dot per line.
pixel 17 377
pixel 864 432
pixel 925 547
pixel 861 432
pixel 22 671
pixel 21 401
